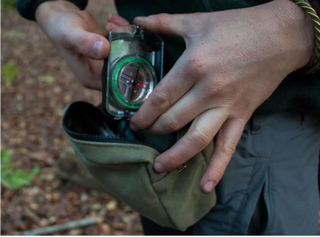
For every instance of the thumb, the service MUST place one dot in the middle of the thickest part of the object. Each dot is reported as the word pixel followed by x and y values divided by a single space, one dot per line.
pixel 168 24
pixel 88 44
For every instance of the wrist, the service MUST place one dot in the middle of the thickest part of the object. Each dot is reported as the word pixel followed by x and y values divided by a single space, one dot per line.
pixel 293 30
pixel 299 22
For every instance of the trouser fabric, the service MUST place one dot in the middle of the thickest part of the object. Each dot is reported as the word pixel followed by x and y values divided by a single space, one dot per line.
pixel 271 183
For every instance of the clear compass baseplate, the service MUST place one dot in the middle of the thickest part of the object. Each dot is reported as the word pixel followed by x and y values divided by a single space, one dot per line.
pixel 134 68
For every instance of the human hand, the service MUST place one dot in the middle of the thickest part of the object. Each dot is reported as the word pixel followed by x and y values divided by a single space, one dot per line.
pixel 233 62
pixel 78 38
pixel 115 21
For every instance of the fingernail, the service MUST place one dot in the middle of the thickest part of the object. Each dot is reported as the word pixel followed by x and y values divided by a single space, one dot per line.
pixel 158 167
pixel 97 49
pixel 134 127
pixel 207 188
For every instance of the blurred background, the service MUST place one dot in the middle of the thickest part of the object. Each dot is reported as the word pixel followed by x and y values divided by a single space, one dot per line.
pixel 40 177
pixel 42 184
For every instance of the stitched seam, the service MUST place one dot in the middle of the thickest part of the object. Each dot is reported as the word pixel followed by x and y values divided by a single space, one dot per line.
pixel 270 225
pixel 244 198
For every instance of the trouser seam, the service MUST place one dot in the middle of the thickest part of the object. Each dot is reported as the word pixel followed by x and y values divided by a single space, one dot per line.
pixel 270 226
pixel 244 198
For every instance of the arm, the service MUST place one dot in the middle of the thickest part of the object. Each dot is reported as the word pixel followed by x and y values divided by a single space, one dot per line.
pixel 233 62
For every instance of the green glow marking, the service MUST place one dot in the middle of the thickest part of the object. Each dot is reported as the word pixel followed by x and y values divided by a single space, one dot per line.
pixel 116 73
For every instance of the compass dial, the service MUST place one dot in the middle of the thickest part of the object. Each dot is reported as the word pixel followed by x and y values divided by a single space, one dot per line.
pixel 133 81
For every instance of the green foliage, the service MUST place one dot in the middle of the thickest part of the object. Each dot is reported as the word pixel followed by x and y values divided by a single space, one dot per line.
pixel 48 79
pixel 13 177
pixel 14 34
pixel 9 72
pixel 8 4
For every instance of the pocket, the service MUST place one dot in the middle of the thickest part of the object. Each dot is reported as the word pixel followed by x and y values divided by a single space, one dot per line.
pixel 183 200
pixel 122 162
pixel 83 121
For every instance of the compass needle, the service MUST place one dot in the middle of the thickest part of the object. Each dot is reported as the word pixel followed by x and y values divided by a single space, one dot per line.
pixel 133 80
pixel 134 66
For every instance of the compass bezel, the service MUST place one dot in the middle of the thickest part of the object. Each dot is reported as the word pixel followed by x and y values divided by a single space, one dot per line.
pixel 115 78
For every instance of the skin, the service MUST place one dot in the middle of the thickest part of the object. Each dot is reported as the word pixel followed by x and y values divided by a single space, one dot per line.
pixel 77 37
pixel 233 62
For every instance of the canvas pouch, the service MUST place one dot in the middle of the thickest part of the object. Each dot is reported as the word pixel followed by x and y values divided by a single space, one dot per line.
pixel 122 162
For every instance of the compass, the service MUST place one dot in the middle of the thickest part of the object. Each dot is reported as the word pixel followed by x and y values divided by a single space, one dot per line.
pixel 133 80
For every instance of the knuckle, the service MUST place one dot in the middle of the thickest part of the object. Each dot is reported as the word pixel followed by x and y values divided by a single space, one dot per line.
pixel 83 40
pixel 143 123
pixel 67 41
pixel 170 124
pixel 160 101
pixel 161 18
pixel 196 66
pixel 217 172
pixel 159 21
pixel 62 37
pixel 219 87
pixel 200 138
pixel 227 148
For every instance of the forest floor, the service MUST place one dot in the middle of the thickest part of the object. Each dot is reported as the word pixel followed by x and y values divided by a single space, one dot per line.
pixel 32 107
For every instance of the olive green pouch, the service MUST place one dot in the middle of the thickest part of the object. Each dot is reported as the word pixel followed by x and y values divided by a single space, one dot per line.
pixel 122 162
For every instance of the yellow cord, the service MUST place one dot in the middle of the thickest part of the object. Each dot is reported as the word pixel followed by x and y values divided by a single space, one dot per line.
pixel 316 22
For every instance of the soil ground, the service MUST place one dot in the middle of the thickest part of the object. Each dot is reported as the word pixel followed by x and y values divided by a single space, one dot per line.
pixel 31 127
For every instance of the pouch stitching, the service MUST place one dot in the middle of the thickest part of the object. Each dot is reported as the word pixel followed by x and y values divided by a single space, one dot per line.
pixel 97 162
pixel 102 146
pixel 159 179
pixel 126 148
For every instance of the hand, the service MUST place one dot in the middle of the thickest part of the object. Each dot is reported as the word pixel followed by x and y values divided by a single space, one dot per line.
pixel 115 21
pixel 233 62
pixel 77 37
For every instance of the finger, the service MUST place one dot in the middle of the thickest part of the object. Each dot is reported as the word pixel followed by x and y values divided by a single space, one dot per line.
pixel 199 135
pixel 88 44
pixel 170 89
pixel 118 20
pixel 182 112
pixel 175 24
pixel 88 71
pixel 110 26
pixel 228 138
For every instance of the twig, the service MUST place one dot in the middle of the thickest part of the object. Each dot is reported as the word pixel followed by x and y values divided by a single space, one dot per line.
pixel 58 228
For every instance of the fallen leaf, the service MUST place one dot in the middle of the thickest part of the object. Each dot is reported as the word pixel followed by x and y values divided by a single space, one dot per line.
pixel 112 205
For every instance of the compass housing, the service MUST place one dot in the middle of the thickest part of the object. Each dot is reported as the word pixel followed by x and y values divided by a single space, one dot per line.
pixel 132 70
